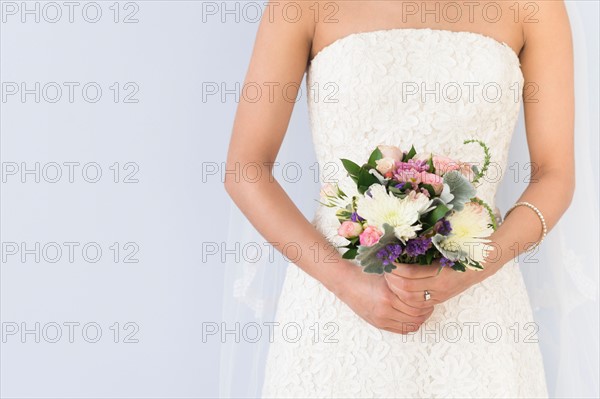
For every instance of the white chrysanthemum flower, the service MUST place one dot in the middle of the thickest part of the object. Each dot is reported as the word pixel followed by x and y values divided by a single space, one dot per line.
pixel 470 229
pixel 402 214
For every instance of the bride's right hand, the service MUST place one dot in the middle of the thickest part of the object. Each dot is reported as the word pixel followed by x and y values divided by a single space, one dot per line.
pixel 369 296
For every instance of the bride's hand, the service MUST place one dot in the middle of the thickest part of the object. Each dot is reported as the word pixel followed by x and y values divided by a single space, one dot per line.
pixel 410 282
pixel 369 296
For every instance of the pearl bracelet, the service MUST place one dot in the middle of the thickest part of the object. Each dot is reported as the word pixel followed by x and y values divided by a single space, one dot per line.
pixel 537 211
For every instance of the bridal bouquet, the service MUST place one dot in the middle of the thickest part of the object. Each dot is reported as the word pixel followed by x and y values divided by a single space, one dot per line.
pixel 413 208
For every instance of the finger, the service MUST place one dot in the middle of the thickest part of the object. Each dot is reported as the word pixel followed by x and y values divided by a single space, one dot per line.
pixel 388 313
pixel 415 271
pixel 414 299
pixel 411 324
pixel 411 310
pixel 396 331
pixel 413 285
pixel 404 326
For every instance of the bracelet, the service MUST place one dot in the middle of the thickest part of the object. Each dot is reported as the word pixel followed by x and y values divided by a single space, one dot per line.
pixel 537 211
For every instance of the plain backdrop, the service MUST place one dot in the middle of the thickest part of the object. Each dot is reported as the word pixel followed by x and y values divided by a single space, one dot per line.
pixel 158 135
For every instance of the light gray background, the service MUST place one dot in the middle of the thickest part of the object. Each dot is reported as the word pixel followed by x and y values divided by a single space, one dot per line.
pixel 172 135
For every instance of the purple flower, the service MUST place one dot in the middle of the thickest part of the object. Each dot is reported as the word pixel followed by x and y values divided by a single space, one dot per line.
pixel 389 253
pixel 355 217
pixel 417 246
pixel 446 262
pixel 443 227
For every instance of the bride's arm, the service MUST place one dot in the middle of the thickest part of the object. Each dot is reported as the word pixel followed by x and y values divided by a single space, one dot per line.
pixel 280 57
pixel 547 65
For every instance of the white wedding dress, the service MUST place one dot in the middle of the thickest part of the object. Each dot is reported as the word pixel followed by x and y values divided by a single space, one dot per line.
pixel 479 344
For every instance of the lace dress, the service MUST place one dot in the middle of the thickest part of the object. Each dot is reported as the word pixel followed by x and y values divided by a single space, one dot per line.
pixel 432 89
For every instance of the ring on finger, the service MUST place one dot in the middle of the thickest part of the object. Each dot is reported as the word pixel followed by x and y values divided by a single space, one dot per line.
pixel 427 295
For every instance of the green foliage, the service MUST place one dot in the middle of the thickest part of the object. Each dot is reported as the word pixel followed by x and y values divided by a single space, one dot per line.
pixel 397 192
pixel 350 253
pixel 375 156
pixel 365 180
pixel 352 169
pixel 430 164
pixel 481 202
pixel 486 160
pixel 459 267
pixel 460 188
pixel 432 217
pixel 410 154
pixel 367 256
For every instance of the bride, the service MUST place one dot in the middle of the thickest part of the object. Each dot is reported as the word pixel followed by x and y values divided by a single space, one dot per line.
pixel 429 74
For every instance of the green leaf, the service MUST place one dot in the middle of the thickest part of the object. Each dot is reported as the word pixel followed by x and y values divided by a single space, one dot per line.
pixel 375 156
pixel 429 257
pixel 389 268
pixel 396 191
pixel 363 189
pixel 460 188
pixel 352 168
pixel 366 179
pixel 475 265
pixel 439 212
pixel 350 254
pixel 410 154
pixel 343 215
pixel 430 164
pixel 459 267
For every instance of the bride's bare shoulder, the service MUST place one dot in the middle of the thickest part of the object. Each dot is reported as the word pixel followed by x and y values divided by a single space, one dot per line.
pixel 285 34
pixel 337 19
pixel 550 30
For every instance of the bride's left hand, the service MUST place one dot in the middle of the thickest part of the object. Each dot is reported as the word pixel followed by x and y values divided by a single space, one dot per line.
pixel 409 283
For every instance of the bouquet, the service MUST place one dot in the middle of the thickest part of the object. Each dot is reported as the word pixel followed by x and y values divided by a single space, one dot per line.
pixel 413 208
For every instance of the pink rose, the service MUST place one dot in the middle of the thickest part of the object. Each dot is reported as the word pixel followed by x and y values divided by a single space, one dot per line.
pixel 390 151
pixel 350 229
pixel 370 236
pixel 385 165
pixel 434 180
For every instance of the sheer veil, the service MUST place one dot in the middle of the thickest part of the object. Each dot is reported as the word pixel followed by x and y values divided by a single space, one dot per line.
pixel 562 280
